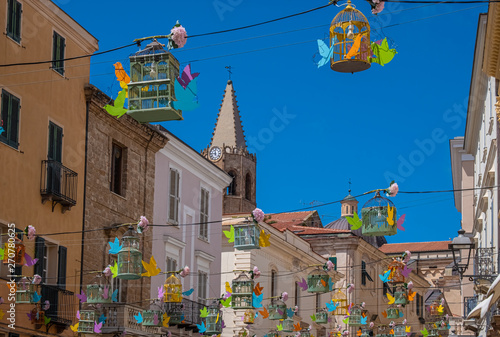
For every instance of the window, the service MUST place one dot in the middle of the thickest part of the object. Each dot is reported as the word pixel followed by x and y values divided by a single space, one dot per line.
pixel 9 123
pixel 55 143
pixel 202 286
pixel 248 187
pixel 58 46
pixel 419 303
pixel 364 274
pixel 173 213
pixel 51 264
pixel 12 334
pixel 171 264
pixel 274 283
pixel 14 10
pixel 297 295
pixel 231 189
pixel 204 214
pixel 116 184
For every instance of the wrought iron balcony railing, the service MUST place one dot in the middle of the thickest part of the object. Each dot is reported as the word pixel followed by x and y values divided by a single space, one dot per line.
pixel 484 263
pixel 58 184
pixel 120 319
pixel 469 304
pixel 190 312
pixel 63 306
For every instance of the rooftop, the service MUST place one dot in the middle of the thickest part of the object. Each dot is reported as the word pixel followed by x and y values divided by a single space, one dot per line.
pixel 433 246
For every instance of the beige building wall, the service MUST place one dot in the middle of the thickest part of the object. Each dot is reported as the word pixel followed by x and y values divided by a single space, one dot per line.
pixel 45 96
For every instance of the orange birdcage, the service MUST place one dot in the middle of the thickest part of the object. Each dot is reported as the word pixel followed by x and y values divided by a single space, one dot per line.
pixel 15 253
pixel 396 267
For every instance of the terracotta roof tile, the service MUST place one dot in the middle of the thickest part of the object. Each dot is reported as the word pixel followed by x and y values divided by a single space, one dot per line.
pixel 282 221
pixel 302 230
pixel 433 246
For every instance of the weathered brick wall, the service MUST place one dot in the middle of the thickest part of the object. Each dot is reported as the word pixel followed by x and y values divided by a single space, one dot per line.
pixel 241 165
pixel 105 208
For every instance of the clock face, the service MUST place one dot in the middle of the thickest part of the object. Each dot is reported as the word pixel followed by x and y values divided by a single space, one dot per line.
pixel 215 153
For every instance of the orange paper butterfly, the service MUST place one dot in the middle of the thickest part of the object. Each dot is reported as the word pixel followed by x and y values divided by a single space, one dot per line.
pixel 359 332
pixel 384 313
pixel 296 327
pixel 391 332
pixel 411 295
pixel 258 289
pixel 323 283
pixel 264 313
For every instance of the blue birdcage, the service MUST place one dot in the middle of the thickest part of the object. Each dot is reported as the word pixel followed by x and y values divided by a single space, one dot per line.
pixel 246 236
pixel 375 217
pixel 151 91
pixel 355 316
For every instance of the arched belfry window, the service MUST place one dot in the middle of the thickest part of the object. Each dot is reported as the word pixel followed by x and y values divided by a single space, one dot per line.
pixel 248 187
pixel 231 189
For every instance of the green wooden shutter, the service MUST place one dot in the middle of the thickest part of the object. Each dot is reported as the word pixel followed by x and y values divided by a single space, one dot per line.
pixel 5 114
pixel 40 254
pixel 14 121
pixel 55 143
pixel 334 261
pixel 10 11
pixel 58 46
pixel 61 270
pixel 17 25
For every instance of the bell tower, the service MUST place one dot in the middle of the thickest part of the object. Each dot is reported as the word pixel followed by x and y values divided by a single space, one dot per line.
pixel 228 150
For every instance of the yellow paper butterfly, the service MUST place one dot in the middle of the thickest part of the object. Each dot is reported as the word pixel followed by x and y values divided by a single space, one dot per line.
pixel 151 268
pixel 440 309
pixel 74 328
pixel 228 288
pixel 407 328
pixel 264 239
pixel 166 319
pixel 390 215
pixel 391 298
pixel 1 314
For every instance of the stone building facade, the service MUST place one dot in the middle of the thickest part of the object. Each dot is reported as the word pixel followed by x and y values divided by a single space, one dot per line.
pixel 119 189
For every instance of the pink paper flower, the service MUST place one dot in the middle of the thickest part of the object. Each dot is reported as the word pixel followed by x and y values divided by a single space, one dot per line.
pixel 1 300
pixel 37 279
pixel 107 271
pixel 350 288
pixel 372 325
pixel 46 305
pixel 329 265
pixel 345 332
pixel 379 7
pixel 284 296
pixel 255 272
pixel 258 214
pixel 31 232
pixel 394 188
pixel 296 308
pixel 179 36
pixel 442 301
pixel 404 321
pixel 407 256
pixel 410 285
pixel 391 324
pixel 143 223
pixel 363 305
pixel 184 272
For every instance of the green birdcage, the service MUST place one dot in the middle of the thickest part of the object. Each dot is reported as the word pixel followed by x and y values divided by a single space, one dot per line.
pixel 153 316
pixel 99 291
pixel 305 333
pixel 375 217
pixel 241 297
pixel 393 312
pixel 356 316
pixel 86 321
pixel 129 256
pixel 443 325
pixel 321 316
pixel 318 281
pixel 401 295
pixel 24 291
pixel 366 332
pixel 214 319
pixel 273 333
pixel 277 310
pixel 399 330
pixel 246 236
pixel 151 91
pixel 432 330
pixel 288 325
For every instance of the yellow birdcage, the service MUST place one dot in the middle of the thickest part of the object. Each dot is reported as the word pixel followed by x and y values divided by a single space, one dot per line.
pixel 173 290
pixel 340 298
pixel 350 38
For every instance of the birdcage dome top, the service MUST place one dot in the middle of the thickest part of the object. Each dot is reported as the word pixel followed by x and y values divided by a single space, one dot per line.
pixel 130 233
pixel 318 272
pixel 152 48
pixel 378 201
pixel 243 277
pixel 172 280
pixel 348 14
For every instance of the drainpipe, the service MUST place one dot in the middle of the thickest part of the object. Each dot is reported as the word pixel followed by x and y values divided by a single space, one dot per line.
pixel 144 201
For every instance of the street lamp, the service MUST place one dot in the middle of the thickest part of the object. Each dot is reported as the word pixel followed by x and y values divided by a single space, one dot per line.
pixel 460 247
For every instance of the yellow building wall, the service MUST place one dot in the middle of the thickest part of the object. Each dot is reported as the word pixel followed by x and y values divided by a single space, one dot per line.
pixel 45 96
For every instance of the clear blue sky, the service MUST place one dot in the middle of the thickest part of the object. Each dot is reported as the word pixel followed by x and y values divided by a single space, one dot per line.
pixel 361 126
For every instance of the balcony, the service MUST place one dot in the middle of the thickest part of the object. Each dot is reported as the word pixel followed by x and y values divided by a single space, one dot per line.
pixel 120 319
pixel 191 312
pixel 484 266
pixel 58 184
pixel 63 306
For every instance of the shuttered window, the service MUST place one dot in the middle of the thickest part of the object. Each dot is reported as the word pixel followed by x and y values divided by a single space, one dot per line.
pixel 14 10
pixel 9 123
pixel 52 262
pixel 202 286
pixel 58 47
pixel 205 197
pixel 173 209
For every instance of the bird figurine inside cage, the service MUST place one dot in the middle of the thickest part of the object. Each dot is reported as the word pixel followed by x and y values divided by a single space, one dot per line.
pixel 393 312
pixel 321 316
pixel 99 291
pixel 242 287
pixel 288 325
pixel 246 236
pixel 151 91
pixel 249 316
pixel 24 291
pixel 173 289
pixel 129 256
pixel 378 217
pixel 318 281
pixel 214 319
pixel 341 299
pixel 277 309
pixel 350 38
pixel 15 255
pixel 86 321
